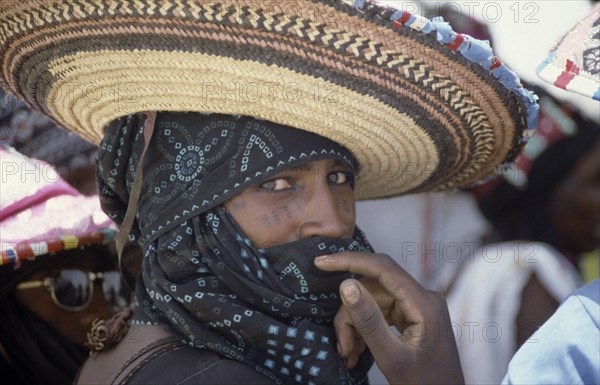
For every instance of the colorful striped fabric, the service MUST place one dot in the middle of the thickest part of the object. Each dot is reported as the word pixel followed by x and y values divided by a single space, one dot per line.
pixel 574 63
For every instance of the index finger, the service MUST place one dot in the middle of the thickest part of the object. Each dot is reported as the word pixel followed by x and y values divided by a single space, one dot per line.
pixel 393 278
pixel 373 265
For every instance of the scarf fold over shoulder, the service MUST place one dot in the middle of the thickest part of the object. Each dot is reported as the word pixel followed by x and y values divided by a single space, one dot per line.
pixel 270 309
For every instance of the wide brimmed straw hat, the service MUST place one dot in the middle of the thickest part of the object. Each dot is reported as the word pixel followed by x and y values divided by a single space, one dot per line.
pixel 420 106
pixel 40 214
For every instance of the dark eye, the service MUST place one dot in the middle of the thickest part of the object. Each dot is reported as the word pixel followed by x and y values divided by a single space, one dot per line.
pixel 339 177
pixel 276 184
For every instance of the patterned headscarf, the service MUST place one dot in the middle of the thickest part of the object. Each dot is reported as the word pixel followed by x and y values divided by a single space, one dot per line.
pixel 202 277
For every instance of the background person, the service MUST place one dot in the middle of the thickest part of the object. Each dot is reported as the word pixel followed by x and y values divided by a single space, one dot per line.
pixel 565 349
pixel 544 214
pixel 57 272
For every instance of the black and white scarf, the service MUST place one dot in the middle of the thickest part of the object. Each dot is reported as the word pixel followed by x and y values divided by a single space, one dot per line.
pixel 270 309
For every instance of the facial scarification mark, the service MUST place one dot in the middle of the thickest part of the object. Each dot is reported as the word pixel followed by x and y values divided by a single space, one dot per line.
pixel 338 205
pixel 275 217
pixel 267 221
pixel 347 206
pixel 287 212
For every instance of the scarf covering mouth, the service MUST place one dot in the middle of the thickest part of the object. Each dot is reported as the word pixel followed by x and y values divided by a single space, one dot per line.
pixel 270 309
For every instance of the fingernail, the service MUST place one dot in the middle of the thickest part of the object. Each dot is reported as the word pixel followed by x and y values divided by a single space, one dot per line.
pixel 325 259
pixel 350 291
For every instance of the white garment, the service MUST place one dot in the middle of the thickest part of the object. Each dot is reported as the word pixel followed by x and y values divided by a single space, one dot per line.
pixel 486 297
pixel 566 349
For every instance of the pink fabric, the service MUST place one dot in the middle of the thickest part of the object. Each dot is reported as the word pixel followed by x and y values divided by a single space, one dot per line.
pixel 44 193
pixel 27 181
pixel 569 73
pixel 37 206
pixel 52 219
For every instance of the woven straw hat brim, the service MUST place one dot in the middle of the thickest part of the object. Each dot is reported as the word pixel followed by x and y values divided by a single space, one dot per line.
pixel 416 114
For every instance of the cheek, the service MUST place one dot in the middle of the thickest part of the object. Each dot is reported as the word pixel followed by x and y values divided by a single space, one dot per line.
pixel 73 327
pixel 39 302
pixel 574 203
pixel 69 325
pixel 76 325
pixel 279 223
pixel 266 226
pixel 345 205
pixel 574 213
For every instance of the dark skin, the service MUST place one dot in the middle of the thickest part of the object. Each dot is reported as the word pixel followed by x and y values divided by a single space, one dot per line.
pixel 72 325
pixel 388 295
pixel 537 305
pixel 574 204
pixel 317 199
pixel 574 210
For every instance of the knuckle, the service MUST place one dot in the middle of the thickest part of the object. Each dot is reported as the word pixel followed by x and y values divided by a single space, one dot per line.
pixel 437 297
pixel 438 305
pixel 367 323
pixel 385 260
pixel 386 265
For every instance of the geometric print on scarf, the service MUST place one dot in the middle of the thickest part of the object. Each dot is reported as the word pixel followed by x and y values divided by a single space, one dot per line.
pixel 206 281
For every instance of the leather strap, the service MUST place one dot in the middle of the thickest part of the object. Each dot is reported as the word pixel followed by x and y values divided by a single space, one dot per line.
pixel 145 355
pixel 129 253
pixel 117 364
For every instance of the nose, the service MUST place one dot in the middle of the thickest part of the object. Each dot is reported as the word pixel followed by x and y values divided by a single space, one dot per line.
pixel 324 215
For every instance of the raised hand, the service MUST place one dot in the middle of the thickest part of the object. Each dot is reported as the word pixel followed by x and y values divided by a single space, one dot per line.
pixel 388 295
